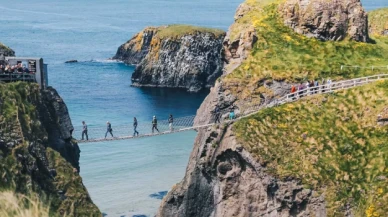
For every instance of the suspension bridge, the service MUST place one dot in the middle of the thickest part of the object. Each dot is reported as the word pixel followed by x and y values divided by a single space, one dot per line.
pixel 124 132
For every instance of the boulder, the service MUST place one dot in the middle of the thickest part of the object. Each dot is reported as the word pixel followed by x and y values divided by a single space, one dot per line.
pixel 327 20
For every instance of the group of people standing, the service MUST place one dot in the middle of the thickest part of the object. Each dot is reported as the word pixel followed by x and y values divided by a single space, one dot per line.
pixel 109 129
pixel 309 85
pixel 18 68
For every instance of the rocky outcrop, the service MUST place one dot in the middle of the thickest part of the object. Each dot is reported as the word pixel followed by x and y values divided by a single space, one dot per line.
pixel 6 51
pixel 175 56
pixel 237 46
pixel 37 152
pixel 378 22
pixel 136 49
pixel 223 179
pixel 327 20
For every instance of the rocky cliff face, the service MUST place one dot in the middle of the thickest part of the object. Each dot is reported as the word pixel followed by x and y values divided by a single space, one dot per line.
pixel 224 177
pixel 327 20
pixel 174 56
pixel 37 153
pixel 136 49
pixel 6 51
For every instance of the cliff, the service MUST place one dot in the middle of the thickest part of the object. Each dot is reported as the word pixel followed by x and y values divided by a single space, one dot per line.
pixel 37 153
pixel 177 56
pixel 310 158
pixel 327 20
pixel 6 51
pixel 378 22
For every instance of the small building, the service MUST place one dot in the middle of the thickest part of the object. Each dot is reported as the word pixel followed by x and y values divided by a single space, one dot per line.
pixel 37 70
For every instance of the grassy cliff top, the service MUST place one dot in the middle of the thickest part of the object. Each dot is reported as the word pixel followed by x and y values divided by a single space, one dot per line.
pixel 282 54
pixel 179 30
pixel 378 21
pixel 328 141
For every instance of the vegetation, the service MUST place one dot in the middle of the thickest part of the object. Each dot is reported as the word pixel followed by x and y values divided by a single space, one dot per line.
pixel 16 205
pixel 6 50
pixel 378 21
pixel 330 142
pixel 176 31
pixel 282 54
pixel 19 119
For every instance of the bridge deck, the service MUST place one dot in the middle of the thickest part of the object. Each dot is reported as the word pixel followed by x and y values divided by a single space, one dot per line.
pixel 187 123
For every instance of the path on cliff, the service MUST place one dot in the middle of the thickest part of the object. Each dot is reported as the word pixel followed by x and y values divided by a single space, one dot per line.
pixel 123 132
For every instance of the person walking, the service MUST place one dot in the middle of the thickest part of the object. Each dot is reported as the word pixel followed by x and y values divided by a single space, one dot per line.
pixel 316 84
pixel 231 113
pixel 217 114
pixel 155 124
pixel 135 127
pixel 170 122
pixel 108 129
pixel 84 130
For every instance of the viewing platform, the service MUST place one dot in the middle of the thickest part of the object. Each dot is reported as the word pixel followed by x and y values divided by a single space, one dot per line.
pixel 26 69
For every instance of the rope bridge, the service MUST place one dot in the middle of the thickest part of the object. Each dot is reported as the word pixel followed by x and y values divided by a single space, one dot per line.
pixel 123 132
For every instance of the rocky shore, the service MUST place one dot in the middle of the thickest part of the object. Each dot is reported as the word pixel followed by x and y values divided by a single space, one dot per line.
pixel 176 56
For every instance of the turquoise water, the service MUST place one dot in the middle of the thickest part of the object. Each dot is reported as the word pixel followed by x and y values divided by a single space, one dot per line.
pixel 120 176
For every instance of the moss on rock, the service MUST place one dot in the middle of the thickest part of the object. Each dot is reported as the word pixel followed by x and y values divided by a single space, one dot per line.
pixel 31 160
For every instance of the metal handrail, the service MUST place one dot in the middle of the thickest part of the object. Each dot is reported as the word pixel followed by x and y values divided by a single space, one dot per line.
pixel 334 86
pixel 17 77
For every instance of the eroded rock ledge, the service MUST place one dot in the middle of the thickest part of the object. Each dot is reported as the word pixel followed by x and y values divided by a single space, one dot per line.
pixel 327 20
pixel 176 56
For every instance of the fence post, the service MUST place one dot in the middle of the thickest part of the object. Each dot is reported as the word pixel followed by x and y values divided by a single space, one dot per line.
pixel 372 68
pixel 342 67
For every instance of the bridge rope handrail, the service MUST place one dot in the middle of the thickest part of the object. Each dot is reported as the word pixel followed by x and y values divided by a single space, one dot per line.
pixel 187 123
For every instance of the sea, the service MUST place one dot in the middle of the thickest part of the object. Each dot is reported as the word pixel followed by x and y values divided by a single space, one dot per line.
pixel 124 178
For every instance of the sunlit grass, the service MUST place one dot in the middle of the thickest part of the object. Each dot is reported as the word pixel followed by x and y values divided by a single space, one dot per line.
pixel 17 205
pixel 378 21
pixel 329 141
pixel 176 31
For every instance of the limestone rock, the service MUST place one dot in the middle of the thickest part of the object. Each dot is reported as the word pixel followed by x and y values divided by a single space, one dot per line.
pixel 326 20
pixel 174 56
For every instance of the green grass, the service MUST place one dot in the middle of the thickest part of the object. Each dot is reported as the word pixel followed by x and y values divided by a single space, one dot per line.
pixel 378 21
pixel 282 54
pixel 176 31
pixel 18 205
pixel 19 118
pixel 328 141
